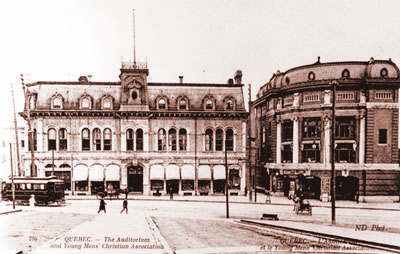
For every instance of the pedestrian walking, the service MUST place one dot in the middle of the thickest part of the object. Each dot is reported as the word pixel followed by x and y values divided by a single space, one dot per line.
pixel 171 193
pixel 102 206
pixel 125 206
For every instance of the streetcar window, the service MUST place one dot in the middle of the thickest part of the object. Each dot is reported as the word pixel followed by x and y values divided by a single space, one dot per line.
pixel 28 186
pixel 58 187
pixel 42 186
pixel 36 186
pixel 22 186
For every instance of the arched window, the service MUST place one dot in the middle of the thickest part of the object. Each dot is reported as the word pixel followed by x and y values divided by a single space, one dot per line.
pixel 129 140
pixel 107 139
pixel 62 140
pixel 229 139
pixel 57 103
pixel 172 139
pixel 52 139
pixel 162 104
pixel 85 140
pixel 219 140
pixel 209 104
pixel 182 104
pixel 229 104
pixel 107 103
pixel 209 140
pixel 182 140
pixel 85 103
pixel 139 140
pixel 161 140
pixel 97 139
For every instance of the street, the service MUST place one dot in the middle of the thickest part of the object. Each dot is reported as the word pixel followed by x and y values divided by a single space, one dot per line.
pixel 154 226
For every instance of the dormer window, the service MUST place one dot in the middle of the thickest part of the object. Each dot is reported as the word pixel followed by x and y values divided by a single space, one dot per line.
pixel 57 103
pixel 346 74
pixel 384 73
pixel 229 104
pixel 107 103
pixel 209 104
pixel 162 104
pixel 85 103
pixel 182 104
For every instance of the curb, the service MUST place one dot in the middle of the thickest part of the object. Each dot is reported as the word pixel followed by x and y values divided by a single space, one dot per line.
pixel 245 202
pixel 12 211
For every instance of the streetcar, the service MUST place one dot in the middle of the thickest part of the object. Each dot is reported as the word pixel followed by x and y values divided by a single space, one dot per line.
pixel 46 190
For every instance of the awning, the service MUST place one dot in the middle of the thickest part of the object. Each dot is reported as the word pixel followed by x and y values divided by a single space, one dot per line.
pixel 187 172
pixel 112 173
pixel 80 173
pixel 204 172
pixel 96 173
pixel 219 172
pixel 157 172
pixel 172 172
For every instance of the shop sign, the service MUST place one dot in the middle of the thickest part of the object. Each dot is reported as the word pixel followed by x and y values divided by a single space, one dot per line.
pixel 325 184
pixel 157 161
pixel 218 161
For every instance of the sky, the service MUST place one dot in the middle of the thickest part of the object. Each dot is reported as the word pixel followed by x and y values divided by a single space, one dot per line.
pixel 204 41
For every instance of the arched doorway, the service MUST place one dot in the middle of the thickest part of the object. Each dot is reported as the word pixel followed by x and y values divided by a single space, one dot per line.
pixel 135 178
pixel 346 187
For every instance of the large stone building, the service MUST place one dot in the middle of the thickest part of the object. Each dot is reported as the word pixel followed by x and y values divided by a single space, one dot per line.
pixel 293 122
pixel 139 135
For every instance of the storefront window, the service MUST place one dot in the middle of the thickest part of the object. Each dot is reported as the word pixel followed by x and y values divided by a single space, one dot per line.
pixel 187 185
pixel 234 179
pixel 81 186
pixel 204 186
pixel 157 184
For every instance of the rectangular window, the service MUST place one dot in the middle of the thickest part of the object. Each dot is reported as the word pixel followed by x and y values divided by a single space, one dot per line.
pixel 345 127
pixel 310 153
pixel 287 131
pixel 383 136
pixel 311 128
pixel 344 152
pixel 287 154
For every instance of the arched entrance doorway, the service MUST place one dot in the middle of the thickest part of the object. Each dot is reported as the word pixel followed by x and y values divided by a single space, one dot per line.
pixel 135 178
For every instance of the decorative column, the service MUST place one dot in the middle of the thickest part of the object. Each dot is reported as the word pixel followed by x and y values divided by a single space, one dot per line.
pixel 295 140
pixel 278 141
pixel 327 138
pixel 361 151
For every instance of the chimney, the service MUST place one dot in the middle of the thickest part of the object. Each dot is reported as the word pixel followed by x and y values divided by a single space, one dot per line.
pixel 230 81
pixel 238 77
pixel 180 79
pixel 89 77
pixel 83 79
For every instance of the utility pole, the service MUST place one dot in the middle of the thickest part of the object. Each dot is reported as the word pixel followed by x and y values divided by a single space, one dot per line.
pixel 12 177
pixel 52 163
pixel 16 133
pixel 249 148
pixel 226 181
pixel 30 132
pixel 334 84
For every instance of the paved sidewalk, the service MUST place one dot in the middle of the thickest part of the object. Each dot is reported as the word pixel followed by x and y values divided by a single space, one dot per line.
pixel 109 233
pixel 367 236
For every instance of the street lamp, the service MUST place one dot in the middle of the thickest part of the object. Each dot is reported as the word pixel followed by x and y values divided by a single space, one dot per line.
pixel 333 84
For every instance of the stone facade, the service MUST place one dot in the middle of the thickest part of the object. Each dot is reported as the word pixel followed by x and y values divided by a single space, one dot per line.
pixel 143 136
pixel 294 124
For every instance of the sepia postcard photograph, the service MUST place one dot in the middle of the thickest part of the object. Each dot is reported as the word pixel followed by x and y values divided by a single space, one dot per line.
pixel 199 127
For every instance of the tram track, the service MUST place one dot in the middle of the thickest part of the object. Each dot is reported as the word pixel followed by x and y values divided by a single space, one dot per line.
pixel 317 241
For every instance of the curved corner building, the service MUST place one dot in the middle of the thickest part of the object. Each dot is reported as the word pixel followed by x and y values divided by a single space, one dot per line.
pixel 294 119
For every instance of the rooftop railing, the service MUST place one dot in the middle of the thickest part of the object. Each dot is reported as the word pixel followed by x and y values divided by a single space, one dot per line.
pixel 133 65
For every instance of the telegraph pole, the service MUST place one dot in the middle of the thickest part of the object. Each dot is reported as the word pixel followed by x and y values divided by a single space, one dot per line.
pixel 52 162
pixel 249 148
pixel 226 181
pixel 334 83
pixel 16 133
pixel 12 177
pixel 30 132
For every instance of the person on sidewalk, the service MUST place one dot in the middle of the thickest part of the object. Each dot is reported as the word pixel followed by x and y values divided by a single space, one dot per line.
pixel 102 206
pixel 125 206
pixel 171 193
